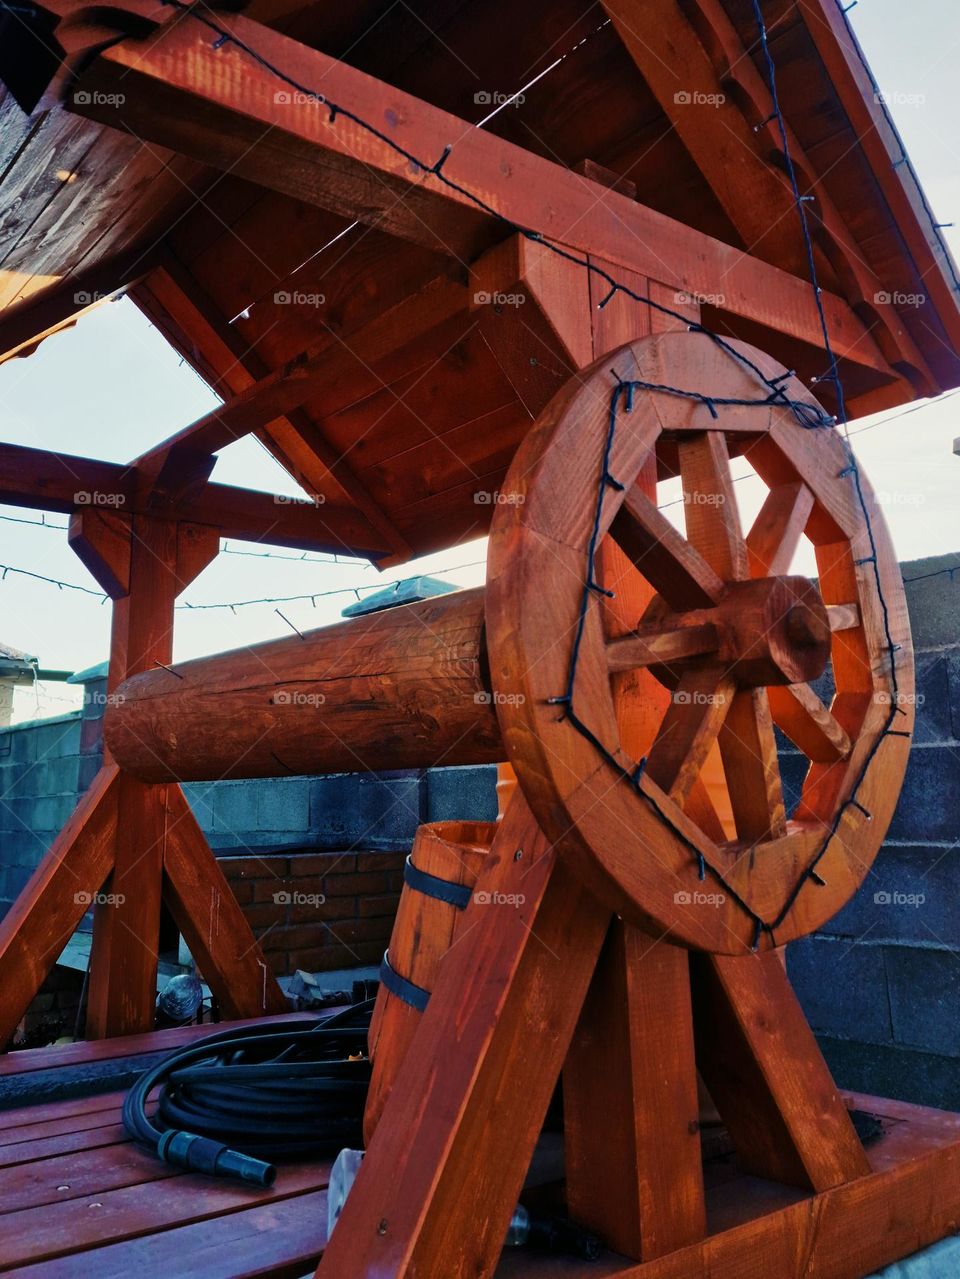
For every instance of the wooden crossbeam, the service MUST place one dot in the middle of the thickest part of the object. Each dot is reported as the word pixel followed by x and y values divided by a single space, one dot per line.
pixel 178 78
pixel 62 482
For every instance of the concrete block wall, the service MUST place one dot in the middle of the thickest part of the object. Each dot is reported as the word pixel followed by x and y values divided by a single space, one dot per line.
pixel 39 785
pixel 880 984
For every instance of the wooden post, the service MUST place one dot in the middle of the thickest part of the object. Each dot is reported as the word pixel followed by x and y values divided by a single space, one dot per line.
pixel 143 563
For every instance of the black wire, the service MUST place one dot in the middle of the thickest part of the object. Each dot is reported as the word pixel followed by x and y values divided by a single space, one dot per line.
pixel 281 1092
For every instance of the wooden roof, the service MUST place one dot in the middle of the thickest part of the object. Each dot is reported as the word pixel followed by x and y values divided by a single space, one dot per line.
pixel 410 429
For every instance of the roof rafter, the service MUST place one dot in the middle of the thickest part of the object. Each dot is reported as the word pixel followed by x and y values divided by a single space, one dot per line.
pixel 213 104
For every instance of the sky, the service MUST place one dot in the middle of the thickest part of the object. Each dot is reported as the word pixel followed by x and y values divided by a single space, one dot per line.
pixel 111 388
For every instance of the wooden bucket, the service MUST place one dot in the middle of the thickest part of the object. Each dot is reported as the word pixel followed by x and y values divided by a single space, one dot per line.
pixel 439 877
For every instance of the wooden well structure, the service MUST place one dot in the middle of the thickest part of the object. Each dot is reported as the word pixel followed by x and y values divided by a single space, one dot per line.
pixel 466 271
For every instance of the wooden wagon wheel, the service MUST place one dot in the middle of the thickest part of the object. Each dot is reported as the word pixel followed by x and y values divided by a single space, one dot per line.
pixel 734 637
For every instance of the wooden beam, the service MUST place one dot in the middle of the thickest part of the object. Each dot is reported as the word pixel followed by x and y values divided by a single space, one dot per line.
pixel 721 109
pixel 214 103
pixel 214 926
pixel 62 482
pixel 767 1076
pixel 337 369
pixel 632 1141
pixel 491 1043
pixel 59 893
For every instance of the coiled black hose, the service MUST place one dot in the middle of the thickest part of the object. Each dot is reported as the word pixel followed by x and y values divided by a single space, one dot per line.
pixel 237 1101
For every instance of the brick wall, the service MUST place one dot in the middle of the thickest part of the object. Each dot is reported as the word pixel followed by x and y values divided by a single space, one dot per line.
pixel 880 983
pixel 319 911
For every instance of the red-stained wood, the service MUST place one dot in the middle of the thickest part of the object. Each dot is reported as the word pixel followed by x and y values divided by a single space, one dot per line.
pixel 52 482
pixel 279 1238
pixel 632 1143
pixel 83 1052
pixel 423 933
pixel 775 533
pixel 71 1227
pixel 749 752
pixel 208 915
pixel 41 921
pixel 491 1041
pixel 362 176
pixel 338 699
pixel 126 930
pixel 765 1072
pixel 773 631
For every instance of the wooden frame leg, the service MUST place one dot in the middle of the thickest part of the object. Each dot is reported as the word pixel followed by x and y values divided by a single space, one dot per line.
pixel 43 918
pixel 214 926
pixel 632 1140
pixel 446 1165
pixel 143 563
pixel 761 1062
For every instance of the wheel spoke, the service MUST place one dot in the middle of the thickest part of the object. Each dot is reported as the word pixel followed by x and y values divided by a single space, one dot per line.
pixel 799 712
pixel 713 520
pixel 690 726
pixel 776 531
pixel 664 557
pixel 651 646
pixel 749 752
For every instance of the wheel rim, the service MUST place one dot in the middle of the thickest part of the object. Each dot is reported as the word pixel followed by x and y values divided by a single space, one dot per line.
pixel 732 635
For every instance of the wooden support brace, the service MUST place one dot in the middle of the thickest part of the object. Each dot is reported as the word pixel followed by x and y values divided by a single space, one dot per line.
pixel 767 1075
pixel 60 891
pixel 632 1139
pixel 447 1162
pixel 213 925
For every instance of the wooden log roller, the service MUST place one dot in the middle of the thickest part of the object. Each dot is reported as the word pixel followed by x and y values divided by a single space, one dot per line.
pixel 734 637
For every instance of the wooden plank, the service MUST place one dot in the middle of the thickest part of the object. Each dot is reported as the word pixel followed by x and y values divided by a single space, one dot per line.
pixel 40 1149
pixel 767 1075
pixel 492 1041
pixel 799 712
pixel 126 924
pixel 697 710
pixel 84 1174
pixel 54 1118
pixel 157 1041
pixel 42 919
pixel 178 79
pixel 46 1112
pixel 847 1232
pixel 282 1239
pixel 632 1141
pixel 69 1228
pixel 214 927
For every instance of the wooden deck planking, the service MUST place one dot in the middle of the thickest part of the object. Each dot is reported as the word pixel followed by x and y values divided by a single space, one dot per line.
pixel 283 1239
